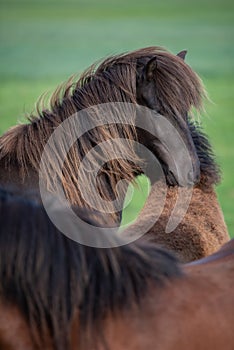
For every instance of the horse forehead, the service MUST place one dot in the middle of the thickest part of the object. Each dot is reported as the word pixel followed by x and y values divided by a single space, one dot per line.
pixel 141 61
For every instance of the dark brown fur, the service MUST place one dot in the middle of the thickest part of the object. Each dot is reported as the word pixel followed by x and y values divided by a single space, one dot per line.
pixel 56 294
pixel 201 232
pixel 114 80
pixel 51 278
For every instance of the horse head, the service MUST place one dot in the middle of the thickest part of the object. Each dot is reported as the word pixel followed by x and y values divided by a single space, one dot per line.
pixel 168 86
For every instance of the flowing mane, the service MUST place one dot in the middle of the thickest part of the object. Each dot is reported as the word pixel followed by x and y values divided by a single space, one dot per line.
pixel 24 144
pixel 114 80
pixel 51 279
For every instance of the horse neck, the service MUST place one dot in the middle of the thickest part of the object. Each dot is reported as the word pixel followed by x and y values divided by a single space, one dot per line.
pixel 200 232
pixel 142 328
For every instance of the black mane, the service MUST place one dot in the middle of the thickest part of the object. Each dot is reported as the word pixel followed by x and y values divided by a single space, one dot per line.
pixel 210 171
pixel 50 277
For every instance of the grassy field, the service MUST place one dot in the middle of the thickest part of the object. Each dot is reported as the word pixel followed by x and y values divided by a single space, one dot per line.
pixel 43 42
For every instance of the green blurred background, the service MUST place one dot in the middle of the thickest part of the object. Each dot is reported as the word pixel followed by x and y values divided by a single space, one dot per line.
pixel 45 41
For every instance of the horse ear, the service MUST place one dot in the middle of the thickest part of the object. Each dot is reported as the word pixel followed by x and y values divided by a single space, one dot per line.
pixel 182 54
pixel 150 68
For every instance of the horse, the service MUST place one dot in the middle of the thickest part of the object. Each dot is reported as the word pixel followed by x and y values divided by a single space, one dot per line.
pixel 151 77
pixel 202 230
pixel 58 294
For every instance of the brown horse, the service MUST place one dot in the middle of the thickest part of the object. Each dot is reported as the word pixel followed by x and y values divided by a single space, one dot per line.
pixel 57 294
pixel 151 77
pixel 202 230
